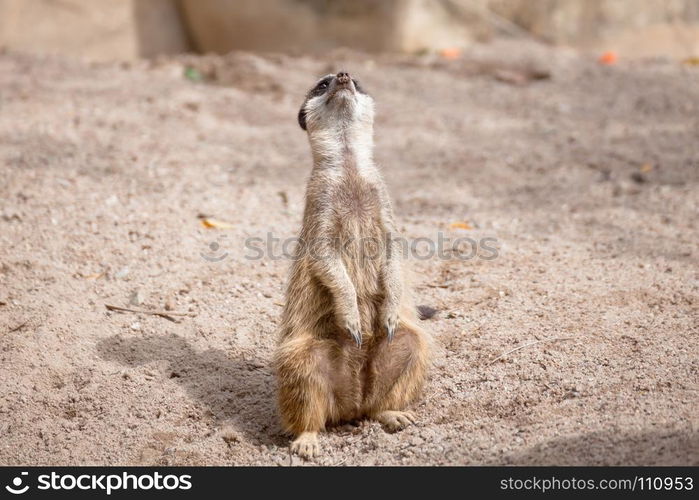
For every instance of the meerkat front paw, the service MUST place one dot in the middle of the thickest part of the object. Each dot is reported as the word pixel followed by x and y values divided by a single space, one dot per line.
pixel 306 445
pixel 352 324
pixel 395 420
pixel 390 320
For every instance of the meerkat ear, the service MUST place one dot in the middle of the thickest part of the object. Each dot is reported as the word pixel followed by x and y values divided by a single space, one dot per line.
pixel 302 117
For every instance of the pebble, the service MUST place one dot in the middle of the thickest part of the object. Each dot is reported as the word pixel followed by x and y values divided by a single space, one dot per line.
pixel 135 326
pixel 169 304
pixel 122 273
pixel 111 201
pixel 416 441
pixel 137 297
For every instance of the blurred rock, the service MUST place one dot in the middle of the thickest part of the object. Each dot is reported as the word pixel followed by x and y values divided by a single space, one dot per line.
pixel 274 25
pixel 96 29
pixel 128 29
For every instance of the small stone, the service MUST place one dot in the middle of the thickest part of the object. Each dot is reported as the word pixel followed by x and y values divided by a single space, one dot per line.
pixel 573 393
pixel 135 326
pixel 426 312
pixel 137 297
pixel 122 273
pixel 416 441
pixel 638 177
pixel 10 214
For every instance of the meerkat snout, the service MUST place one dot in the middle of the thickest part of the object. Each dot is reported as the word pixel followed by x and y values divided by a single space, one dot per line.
pixel 343 77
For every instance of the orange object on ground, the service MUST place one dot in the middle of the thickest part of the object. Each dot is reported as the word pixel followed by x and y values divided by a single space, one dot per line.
pixel 610 57
pixel 460 225
pixel 451 53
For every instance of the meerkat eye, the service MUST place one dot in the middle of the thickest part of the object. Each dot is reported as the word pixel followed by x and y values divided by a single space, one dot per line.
pixel 320 88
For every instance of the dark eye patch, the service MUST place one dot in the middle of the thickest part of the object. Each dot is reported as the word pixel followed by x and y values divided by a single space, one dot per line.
pixel 320 87
pixel 302 118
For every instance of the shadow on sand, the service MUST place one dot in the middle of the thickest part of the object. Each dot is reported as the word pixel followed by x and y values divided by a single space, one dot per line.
pixel 656 447
pixel 235 391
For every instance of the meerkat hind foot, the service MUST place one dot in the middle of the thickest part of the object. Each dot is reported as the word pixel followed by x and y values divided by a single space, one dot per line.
pixel 395 420
pixel 306 445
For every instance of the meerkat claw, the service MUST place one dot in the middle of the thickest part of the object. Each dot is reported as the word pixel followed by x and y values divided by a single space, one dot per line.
pixel 356 335
pixel 391 321
pixel 390 332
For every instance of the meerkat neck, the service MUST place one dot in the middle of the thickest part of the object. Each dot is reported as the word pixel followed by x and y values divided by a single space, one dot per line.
pixel 338 148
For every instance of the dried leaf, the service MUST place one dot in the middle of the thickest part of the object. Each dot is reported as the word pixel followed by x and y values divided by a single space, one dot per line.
pixel 450 53
pixel 215 224
pixel 460 225
pixel 511 77
pixel 520 76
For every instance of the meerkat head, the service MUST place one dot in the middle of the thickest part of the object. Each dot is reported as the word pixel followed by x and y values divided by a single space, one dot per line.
pixel 336 101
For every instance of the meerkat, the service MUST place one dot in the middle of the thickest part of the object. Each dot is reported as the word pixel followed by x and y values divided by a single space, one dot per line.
pixel 349 346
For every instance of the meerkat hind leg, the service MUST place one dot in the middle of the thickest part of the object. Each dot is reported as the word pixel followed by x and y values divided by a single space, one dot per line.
pixel 306 445
pixel 397 370
pixel 303 390
pixel 318 384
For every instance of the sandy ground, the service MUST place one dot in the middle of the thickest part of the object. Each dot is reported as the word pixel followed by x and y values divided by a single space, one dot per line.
pixel 589 181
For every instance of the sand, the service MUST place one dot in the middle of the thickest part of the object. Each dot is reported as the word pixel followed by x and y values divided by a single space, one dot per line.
pixel 587 180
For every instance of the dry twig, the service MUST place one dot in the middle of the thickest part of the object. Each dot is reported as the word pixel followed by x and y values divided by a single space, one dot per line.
pixel 168 315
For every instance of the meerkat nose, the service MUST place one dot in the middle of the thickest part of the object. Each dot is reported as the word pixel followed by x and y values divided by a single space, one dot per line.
pixel 343 77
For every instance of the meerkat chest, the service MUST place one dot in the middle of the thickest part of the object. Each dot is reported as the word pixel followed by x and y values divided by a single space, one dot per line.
pixel 357 201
